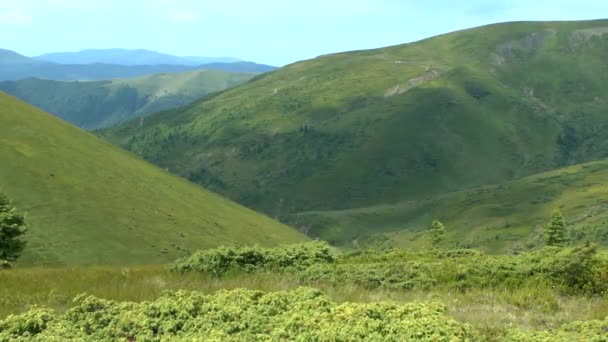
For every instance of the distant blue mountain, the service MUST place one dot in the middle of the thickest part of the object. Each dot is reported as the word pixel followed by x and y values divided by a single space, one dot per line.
pixel 128 57
pixel 14 66
pixel 11 57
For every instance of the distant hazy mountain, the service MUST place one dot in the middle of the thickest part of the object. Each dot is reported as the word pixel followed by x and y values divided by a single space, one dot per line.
pixel 128 57
pixel 14 66
pixel 98 104
pixel 11 57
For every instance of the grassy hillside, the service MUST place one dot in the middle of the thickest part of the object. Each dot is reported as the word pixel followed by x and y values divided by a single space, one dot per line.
pixel 89 202
pixel 97 104
pixel 498 218
pixel 401 123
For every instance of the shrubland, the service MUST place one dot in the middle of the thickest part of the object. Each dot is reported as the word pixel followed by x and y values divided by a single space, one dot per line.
pixel 312 291
pixel 575 270
pixel 301 314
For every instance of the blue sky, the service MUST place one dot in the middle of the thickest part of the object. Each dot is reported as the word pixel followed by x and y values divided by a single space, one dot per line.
pixel 275 32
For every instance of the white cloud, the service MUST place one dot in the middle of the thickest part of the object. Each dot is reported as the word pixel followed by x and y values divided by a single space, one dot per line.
pixel 14 18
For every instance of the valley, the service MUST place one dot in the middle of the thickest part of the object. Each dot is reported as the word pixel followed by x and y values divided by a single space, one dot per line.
pixel 399 124
pixel 452 188
pixel 97 104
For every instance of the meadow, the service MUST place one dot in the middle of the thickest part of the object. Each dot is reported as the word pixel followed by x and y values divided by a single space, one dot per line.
pixel 273 293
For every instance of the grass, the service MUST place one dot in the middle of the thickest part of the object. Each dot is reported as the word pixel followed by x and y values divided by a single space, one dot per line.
pixel 490 310
pixel 88 202
pixel 98 104
pixel 498 297
pixel 498 218
pixel 403 123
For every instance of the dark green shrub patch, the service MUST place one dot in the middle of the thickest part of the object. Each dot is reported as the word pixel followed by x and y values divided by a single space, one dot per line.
pixel 249 259
pixel 578 270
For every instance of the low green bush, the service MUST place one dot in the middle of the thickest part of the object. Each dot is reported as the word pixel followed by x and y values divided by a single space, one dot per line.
pixel 249 259
pixel 577 270
pixel 303 314
pixel 588 331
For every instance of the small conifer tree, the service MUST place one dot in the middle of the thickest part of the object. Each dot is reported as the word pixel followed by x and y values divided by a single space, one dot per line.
pixel 12 227
pixel 436 233
pixel 555 231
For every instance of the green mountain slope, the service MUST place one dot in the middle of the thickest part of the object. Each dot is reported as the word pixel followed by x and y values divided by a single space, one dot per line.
pixel 97 104
pixel 89 202
pixel 363 128
pixel 498 218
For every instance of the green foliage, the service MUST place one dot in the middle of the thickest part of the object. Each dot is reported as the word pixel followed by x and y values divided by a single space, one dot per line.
pixel 415 123
pixel 12 228
pixel 555 231
pixel 503 298
pixel 91 203
pixel 304 314
pixel 590 331
pixel 501 218
pixel 249 259
pixel 26 325
pixel 578 270
pixel 436 233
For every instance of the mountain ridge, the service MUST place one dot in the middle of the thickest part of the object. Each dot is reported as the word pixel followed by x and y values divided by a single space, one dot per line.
pixel 11 57
pixel 97 104
pixel 14 66
pixel 88 202
pixel 128 57
pixel 454 112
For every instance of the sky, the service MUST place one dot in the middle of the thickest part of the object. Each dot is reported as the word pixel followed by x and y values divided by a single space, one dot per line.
pixel 276 32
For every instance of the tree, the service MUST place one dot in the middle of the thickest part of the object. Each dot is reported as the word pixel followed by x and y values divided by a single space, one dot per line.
pixel 555 231
pixel 436 233
pixel 12 227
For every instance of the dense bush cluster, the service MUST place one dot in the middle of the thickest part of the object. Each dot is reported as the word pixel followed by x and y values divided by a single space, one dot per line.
pixel 240 315
pixel 221 260
pixel 306 314
pixel 579 270
pixel 303 314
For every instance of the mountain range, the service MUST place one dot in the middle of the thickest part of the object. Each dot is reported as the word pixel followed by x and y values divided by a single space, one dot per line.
pixel 96 104
pixel 128 57
pixel 340 137
pixel 14 66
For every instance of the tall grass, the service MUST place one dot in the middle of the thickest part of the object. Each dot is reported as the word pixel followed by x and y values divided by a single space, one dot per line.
pixel 533 306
